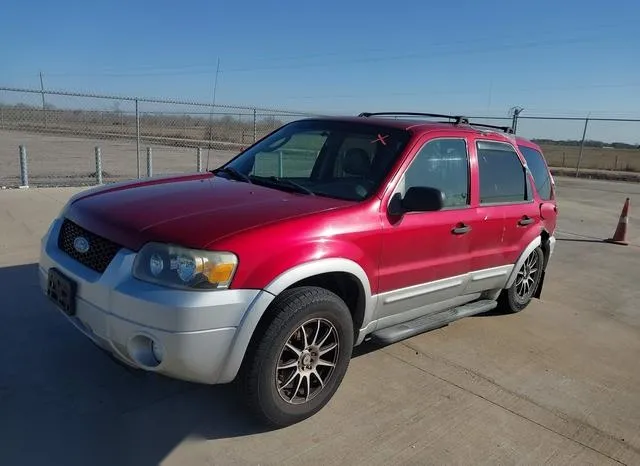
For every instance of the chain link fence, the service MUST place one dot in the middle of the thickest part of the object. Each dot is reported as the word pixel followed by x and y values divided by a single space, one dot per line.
pixel 586 144
pixel 61 135
pixel 71 139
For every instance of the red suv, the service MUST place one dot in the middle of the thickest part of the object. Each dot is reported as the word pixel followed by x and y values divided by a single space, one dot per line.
pixel 327 232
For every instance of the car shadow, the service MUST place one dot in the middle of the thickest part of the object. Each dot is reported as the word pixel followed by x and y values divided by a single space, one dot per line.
pixel 65 401
pixel 581 240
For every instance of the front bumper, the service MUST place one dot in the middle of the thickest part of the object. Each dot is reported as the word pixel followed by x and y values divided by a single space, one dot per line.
pixel 192 331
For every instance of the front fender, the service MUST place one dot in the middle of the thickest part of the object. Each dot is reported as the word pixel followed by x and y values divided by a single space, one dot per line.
pixel 260 304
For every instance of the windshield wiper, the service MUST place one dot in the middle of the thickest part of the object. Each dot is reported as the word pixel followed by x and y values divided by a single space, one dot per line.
pixel 235 174
pixel 291 184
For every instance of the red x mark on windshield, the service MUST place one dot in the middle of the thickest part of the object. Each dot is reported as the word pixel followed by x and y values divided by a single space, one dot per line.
pixel 381 139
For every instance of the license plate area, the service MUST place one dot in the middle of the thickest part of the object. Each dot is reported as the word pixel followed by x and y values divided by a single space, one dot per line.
pixel 62 291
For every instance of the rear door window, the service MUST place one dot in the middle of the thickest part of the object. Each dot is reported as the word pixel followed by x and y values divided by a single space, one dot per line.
pixel 502 175
pixel 538 168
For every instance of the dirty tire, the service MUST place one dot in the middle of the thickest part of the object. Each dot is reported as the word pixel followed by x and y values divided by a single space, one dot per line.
pixel 519 295
pixel 300 319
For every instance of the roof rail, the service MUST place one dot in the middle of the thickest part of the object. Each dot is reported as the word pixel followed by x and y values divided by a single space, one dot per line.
pixel 506 129
pixel 458 119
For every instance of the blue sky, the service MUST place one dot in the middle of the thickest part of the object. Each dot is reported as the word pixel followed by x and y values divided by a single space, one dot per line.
pixel 471 57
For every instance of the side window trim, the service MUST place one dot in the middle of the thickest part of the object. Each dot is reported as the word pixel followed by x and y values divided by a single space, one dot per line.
pixel 418 150
pixel 530 198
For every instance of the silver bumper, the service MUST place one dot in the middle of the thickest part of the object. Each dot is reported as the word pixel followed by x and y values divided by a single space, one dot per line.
pixel 192 332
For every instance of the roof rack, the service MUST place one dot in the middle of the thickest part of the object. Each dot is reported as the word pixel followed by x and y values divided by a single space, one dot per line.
pixel 506 129
pixel 457 119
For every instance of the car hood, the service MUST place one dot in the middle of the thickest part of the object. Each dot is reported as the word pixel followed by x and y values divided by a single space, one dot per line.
pixel 192 211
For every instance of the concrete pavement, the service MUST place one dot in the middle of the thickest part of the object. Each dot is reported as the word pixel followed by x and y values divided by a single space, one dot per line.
pixel 556 384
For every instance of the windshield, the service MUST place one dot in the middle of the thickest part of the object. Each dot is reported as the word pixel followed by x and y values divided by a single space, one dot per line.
pixel 338 159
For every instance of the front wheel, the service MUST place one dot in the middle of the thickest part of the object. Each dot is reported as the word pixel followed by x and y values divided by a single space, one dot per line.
pixel 519 295
pixel 294 368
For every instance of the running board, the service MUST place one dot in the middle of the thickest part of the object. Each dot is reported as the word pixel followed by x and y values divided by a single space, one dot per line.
pixel 423 324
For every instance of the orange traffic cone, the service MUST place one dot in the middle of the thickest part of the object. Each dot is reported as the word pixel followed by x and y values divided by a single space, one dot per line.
pixel 620 236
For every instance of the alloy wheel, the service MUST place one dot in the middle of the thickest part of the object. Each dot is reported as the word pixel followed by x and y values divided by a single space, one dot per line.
pixel 307 361
pixel 527 277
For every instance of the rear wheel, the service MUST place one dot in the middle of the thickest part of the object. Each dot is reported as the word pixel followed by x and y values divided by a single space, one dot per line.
pixel 519 295
pixel 294 368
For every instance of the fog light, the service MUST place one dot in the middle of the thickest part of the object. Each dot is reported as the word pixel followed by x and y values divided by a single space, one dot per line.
pixel 145 352
pixel 157 350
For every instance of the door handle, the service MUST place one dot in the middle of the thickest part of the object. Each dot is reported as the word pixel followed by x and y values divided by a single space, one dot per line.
pixel 461 229
pixel 525 221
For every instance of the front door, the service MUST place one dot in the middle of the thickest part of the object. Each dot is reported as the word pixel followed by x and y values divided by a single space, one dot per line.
pixel 426 255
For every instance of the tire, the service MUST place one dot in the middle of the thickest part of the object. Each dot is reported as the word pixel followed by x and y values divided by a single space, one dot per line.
pixel 519 295
pixel 276 379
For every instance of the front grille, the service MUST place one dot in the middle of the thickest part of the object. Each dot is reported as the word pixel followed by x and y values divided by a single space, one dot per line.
pixel 100 253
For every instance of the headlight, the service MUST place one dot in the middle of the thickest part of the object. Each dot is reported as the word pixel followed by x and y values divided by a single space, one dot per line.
pixel 184 268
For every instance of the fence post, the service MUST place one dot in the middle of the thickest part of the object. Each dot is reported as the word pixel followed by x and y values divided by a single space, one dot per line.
pixel 138 138
pixel 199 159
pixel 98 165
pixel 149 163
pixel 24 169
pixel 564 154
pixel 615 167
pixel 44 105
pixel 280 169
pixel 255 126
pixel 584 135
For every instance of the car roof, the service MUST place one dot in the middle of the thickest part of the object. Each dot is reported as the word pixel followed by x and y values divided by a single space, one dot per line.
pixel 418 127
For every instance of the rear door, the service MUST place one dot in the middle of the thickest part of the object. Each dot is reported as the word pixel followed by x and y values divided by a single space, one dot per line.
pixel 506 202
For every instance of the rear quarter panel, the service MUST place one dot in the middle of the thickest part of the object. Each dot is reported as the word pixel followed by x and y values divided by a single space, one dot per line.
pixel 548 207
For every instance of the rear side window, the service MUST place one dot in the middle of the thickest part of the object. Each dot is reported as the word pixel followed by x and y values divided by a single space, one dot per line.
pixel 538 169
pixel 442 164
pixel 502 176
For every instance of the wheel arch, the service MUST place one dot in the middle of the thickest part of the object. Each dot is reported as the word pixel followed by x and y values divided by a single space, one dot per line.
pixel 341 276
pixel 545 241
pixel 537 241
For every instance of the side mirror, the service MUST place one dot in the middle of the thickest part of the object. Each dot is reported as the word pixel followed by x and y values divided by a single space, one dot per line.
pixel 417 199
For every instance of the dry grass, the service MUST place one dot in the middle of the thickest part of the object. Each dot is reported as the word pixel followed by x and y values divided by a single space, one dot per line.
pixel 593 157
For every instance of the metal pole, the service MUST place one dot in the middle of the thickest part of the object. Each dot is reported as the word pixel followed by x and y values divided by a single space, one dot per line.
pixel 215 83
pixel 24 169
pixel 280 170
pixel 516 114
pixel 98 165
pixel 584 135
pixel 199 159
pixel 149 163
pixel 138 138
pixel 255 126
pixel 44 108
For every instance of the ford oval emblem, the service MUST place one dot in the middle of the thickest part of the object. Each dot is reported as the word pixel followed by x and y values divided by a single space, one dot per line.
pixel 81 245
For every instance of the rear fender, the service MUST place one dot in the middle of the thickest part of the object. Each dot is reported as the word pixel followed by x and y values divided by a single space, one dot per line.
pixel 527 251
